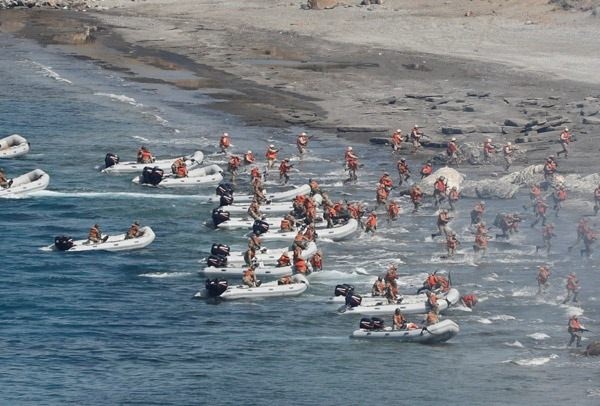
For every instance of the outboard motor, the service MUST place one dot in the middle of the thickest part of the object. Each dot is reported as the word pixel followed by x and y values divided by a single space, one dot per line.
pixel 226 199
pixel 111 159
pixel 218 261
pixel 260 227
pixel 342 290
pixel 215 287
pixel 63 243
pixel 219 216
pixel 378 323
pixel 366 323
pixel 224 188
pixel 220 249
pixel 370 324
pixel 146 174
pixel 156 176
pixel 352 299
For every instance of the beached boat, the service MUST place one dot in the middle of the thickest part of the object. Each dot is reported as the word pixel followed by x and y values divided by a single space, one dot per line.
pixel 13 146
pixel 432 334
pixel 336 233
pixel 22 185
pixel 112 243
pixel 220 289
pixel 269 256
pixel 410 307
pixel 121 168
pixel 287 195
pixel 207 175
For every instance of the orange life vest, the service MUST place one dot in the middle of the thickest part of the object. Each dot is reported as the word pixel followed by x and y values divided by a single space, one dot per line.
pixel 302 141
pixel 224 142
pixel 284 260
pixel 431 281
pixel 403 167
pixel 317 261
pixel 182 171
pixel 284 168
pixel 255 173
pixel 540 207
pixel 382 194
pixel 300 265
pixel 386 181
pixel 145 156
pixel 271 154
pixel 565 137
pixel 488 148
pixel 451 243
pixel 416 195
pixel 234 162
pixel 571 282
pixel 574 325
pixel 481 240
pixel 94 233
pixel 372 222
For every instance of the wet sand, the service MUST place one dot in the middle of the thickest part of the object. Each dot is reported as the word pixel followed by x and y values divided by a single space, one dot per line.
pixel 355 71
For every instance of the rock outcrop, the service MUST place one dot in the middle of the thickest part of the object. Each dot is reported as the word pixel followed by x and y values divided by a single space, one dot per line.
pixel 593 348
pixel 321 4
pixel 64 4
pixel 453 178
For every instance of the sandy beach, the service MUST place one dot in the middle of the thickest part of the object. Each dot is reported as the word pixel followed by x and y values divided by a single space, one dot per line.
pixel 498 69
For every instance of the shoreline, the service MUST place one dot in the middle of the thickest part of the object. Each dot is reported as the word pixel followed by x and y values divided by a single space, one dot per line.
pixel 348 90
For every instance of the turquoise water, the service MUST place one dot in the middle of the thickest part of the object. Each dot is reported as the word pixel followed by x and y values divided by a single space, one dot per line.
pixel 121 328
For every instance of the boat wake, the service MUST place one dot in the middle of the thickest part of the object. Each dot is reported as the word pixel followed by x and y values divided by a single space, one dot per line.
pixel 532 362
pixel 165 274
pixel 112 195
pixel 538 336
pixel 515 344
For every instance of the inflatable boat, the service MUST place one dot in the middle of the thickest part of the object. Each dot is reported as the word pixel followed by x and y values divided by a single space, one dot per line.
pixel 13 146
pixel 277 208
pixel 22 185
pixel 369 300
pixel 336 233
pixel 269 256
pixel 246 223
pixel 112 243
pixel 220 289
pixel 207 175
pixel 287 195
pixel 432 334
pixel 235 273
pixel 415 307
pixel 114 167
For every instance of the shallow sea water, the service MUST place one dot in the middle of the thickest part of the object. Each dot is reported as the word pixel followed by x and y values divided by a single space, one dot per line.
pixel 121 328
